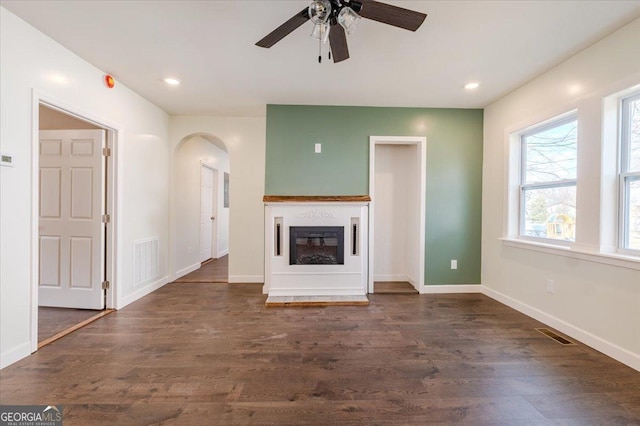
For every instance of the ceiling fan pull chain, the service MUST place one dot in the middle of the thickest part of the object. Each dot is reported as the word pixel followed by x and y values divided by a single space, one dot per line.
pixel 320 50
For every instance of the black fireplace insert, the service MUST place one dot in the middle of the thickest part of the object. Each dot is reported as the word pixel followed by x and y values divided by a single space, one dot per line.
pixel 316 245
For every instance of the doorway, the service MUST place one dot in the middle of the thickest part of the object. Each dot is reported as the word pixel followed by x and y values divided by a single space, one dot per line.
pixel 72 215
pixel 201 210
pixel 397 185
pixel 208 212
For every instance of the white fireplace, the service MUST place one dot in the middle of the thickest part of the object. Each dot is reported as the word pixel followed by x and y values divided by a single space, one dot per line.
pixel 316 246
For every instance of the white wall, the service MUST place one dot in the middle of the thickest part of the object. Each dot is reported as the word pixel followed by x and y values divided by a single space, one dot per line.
pixel 596 302
pixel 188 158
pixel 245 139
pixel 29 60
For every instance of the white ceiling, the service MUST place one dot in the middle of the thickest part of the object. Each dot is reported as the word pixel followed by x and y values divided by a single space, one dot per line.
pixel 209 45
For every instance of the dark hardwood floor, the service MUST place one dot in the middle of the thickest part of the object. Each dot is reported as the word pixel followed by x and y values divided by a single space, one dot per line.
pixel 214 271
pixel 210 354
pixel 52 321
pixel 393 287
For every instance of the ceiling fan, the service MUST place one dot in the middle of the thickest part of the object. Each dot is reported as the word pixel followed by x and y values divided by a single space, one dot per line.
pixel 333 19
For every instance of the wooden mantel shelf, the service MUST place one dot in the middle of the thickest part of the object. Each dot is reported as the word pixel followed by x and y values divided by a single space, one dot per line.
pixel 315 198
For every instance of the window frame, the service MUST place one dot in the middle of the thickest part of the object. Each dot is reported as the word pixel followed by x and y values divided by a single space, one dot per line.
pixel 625 176
pixel 524 187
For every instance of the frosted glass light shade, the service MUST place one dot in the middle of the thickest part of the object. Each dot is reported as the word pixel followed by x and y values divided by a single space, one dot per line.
pixel 348 19
pixel 321 31
pixel 319 11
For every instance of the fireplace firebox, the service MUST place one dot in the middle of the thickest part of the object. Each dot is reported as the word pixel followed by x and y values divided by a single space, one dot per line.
pixel 316 245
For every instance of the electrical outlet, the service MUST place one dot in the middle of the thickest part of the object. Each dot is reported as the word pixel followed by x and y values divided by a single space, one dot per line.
pixel 454 264
pixel 551 286
pixel 318 148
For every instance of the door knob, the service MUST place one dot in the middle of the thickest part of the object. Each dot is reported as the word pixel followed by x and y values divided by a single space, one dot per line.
pixel 213 218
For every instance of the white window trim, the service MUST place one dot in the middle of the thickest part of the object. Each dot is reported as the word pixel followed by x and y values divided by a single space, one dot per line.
pixel 523 187
pixel 613 259
pixel 625 177
pixel 606 251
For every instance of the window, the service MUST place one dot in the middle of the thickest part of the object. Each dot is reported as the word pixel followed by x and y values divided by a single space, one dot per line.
pixel 630 173
pixel 548 180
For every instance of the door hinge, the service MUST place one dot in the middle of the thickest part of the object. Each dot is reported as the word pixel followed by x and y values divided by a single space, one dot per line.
pixel 106 218
pixel 105 285
pixel 106 152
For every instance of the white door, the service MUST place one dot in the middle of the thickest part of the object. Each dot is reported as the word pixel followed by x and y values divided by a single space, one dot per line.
pixel 207 215
pixel 70 218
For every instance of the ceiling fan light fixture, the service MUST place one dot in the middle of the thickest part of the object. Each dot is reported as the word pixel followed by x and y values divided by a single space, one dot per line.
pixel 348 18
pixel 319 11
pixel 321 32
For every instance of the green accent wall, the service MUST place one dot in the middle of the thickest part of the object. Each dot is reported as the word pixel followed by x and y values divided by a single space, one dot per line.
pixel 454 169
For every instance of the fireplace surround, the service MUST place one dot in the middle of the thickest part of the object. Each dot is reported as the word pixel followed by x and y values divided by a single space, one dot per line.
pixel 316 246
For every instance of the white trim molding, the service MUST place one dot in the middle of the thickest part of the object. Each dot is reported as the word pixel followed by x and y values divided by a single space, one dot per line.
pixel 114 134
pixel 421 142
pixel 619 260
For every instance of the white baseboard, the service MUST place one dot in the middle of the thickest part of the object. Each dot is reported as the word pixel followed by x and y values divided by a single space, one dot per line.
pixel 246 279
pixel 16 354
pixel 614 351
pixel 184 271
pixel 451 288
pixel 391 278
pixel 151 287
pixel 222 253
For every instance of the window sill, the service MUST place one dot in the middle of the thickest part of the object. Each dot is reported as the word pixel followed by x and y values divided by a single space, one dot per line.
pixel 613 259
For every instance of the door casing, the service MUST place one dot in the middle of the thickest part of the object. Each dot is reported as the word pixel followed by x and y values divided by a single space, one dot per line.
pixel 112 141
pixel 421 142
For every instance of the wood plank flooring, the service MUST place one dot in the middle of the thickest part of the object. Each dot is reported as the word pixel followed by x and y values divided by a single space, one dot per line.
pixel 393 287
pixel 52 321
pixel 214 271
pixel 210 354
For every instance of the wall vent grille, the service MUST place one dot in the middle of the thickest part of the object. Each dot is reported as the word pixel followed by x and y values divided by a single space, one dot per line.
pixel 146 260
pixel 553 335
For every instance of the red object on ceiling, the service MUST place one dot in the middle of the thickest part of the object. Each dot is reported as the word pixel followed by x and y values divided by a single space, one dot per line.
pixel 109 81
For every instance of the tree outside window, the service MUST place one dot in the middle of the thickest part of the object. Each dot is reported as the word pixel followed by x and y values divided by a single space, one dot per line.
pixel 548 180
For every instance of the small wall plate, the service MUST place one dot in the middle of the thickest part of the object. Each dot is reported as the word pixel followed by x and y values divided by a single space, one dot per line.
pixel 6 159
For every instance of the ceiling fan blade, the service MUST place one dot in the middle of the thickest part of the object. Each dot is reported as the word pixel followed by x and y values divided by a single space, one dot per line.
pixel 285 29
pixel 392 15
pixel 338 40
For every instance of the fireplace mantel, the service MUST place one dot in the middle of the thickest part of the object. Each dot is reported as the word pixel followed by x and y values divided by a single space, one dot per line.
pixel 316 198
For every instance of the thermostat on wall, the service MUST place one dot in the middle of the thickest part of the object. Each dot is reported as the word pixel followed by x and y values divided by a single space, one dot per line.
pixel 6 159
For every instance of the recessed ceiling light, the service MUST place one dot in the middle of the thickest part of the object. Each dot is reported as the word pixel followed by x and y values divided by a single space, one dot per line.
pixel 172 81
pixel 471 86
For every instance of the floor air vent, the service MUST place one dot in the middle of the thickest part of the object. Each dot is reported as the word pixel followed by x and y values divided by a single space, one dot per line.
pixel 551 334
